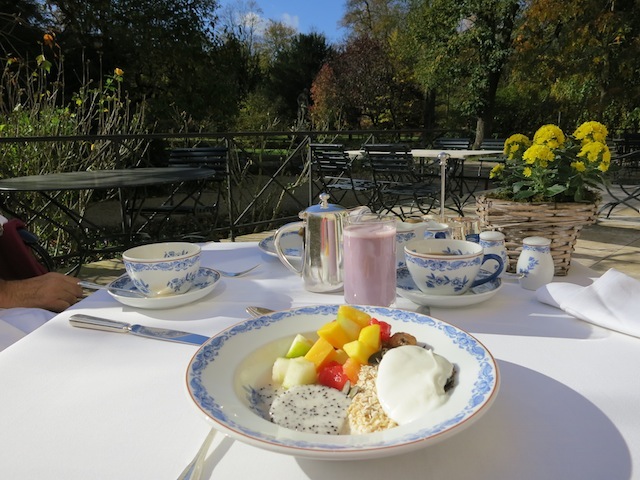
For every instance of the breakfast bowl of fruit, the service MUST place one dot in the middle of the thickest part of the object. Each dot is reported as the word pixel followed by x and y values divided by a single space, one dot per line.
pixel 340 382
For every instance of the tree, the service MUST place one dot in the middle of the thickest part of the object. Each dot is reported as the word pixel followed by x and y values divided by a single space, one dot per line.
pixel 294 69
pixel 167 49
pixel 22 25
pixel 327 106
pixel 587 55
pixel 465 44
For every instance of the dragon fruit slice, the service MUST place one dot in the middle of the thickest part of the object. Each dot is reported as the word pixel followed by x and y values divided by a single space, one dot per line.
pixel 311 408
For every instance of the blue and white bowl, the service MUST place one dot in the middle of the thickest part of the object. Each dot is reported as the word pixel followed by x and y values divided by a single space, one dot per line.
pixel 448 267
pixel 162 269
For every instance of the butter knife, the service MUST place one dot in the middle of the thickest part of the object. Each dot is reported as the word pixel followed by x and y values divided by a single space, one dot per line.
pixel 96 323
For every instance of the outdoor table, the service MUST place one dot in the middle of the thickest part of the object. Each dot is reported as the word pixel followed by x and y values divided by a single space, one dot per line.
pixel 128 182
pixel 80 404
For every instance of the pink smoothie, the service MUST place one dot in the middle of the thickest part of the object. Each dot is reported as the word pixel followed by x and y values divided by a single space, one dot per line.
pixel 370 264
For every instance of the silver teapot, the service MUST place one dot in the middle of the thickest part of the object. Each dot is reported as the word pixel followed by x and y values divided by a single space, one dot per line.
pixel 321 266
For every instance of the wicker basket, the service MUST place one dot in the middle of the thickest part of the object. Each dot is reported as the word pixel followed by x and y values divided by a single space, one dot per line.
pixel 560 222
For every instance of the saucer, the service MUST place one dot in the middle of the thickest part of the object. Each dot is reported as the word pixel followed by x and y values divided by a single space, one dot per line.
pixel 407 288
pixel 291 243
pixel 206 280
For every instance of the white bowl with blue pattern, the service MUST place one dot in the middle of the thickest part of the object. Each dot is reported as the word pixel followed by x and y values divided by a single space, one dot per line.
pixel 224 374
pixel 163 269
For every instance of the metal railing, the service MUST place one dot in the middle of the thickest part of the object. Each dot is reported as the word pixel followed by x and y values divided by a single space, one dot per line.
pixel 269 174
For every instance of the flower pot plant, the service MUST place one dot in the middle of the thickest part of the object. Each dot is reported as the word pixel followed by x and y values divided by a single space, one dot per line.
pixel 548 186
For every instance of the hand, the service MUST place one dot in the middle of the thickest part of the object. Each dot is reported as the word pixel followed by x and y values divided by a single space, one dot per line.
pixel 51 291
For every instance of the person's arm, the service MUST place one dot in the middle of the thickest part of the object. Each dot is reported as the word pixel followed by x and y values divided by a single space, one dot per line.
pixel 51 291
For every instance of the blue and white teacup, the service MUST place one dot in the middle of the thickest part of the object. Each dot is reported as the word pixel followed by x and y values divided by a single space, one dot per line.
pixel 448 267
pixel 437 230
pixel 161 269
pixel 406 231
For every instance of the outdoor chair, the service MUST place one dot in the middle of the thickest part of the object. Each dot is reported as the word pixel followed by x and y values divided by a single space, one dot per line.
pixel 452 143
pixel 401 183
pixel 333 172
pixel 624 188
pixel 477 169
pixel 201 198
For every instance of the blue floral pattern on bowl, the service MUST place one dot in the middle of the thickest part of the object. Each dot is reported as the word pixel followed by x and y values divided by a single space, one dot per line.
pixel 476 390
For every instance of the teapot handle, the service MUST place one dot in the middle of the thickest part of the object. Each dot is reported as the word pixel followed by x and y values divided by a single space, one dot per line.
pixel 276 243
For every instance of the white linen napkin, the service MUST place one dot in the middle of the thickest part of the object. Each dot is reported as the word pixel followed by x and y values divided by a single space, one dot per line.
pixel 611 301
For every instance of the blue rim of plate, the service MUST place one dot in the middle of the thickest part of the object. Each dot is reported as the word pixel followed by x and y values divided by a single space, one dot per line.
pixel 481 392
pixel 267 245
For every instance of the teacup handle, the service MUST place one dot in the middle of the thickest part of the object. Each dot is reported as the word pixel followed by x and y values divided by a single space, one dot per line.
pixel 276 243
pixel 494 275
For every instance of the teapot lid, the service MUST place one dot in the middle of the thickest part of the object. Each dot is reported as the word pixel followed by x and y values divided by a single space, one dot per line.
pixel 324 206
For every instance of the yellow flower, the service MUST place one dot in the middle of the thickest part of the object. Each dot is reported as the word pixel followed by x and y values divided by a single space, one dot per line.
pixel 527 172
pixel 118 72
pixel 496 171
pixel 516 143
pixel 578 166
pixel 549 135
pixel 604 166
pixel 591 132
pixel 595 151
pixel 540 154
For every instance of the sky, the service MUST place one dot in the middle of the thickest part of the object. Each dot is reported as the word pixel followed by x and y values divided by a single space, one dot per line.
pixel 306 16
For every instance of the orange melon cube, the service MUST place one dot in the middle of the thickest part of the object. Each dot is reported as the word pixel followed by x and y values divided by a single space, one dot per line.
pixel 351 369
pixel 370 336
pixel 358 316
pixel 321 353
pixel 333 333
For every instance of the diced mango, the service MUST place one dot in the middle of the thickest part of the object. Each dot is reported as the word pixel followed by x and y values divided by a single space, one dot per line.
pixel 359 351
pixel 351 368
pixel 321 353
pixel 358 316
pixel 350 327
pixel 341 356
pixel 333 333
pixel 370 336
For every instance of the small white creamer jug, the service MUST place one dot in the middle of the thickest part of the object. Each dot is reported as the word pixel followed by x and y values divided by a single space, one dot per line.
pixel 535 263
pixel 493 242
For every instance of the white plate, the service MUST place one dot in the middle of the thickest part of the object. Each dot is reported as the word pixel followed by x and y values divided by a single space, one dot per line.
pixel 223 373
pixel 206 280
pixel 292 245
pixel 407 288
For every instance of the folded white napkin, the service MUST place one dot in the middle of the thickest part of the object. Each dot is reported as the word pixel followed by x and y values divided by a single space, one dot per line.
pixel 611 301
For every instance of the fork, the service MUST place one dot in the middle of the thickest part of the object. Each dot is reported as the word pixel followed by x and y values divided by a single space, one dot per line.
pixel 194 469
pixel 258 311
pixel 237 274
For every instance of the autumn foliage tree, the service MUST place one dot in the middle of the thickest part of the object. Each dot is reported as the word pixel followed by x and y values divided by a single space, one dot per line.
pixel 587 55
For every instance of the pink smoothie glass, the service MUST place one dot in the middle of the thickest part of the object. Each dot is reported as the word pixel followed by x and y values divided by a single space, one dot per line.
pixel 370 259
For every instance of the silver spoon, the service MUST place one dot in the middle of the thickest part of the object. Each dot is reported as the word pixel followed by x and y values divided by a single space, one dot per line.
pixel 97 286
pixel 237 274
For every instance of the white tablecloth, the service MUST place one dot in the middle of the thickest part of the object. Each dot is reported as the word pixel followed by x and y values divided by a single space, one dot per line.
pixel 79 404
